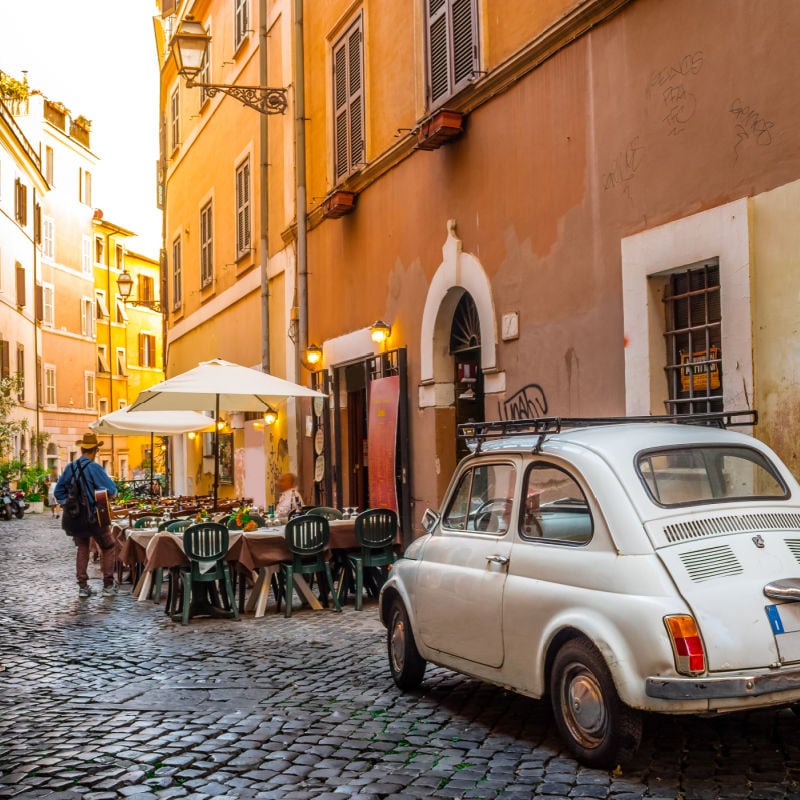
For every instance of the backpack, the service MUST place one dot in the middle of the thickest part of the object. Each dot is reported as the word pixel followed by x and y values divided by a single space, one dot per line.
pixel 77 518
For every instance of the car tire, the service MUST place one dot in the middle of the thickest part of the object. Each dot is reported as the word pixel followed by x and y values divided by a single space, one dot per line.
pixel 405 662
pixel 595 724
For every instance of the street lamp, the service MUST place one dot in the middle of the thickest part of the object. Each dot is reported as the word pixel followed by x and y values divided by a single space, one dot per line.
pixel 188 47
pixel 380 331
pixel 125 285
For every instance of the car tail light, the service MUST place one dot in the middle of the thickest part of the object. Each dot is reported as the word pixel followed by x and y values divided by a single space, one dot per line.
pixel 687 646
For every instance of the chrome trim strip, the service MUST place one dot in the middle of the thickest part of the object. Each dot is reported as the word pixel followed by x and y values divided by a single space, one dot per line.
pixel 710 688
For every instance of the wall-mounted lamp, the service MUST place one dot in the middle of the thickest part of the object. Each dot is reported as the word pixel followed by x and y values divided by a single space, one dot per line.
pixel 270 416
pixel 380 331
pixel 313 354
pixel 125 285
pixel 188 47
pixel 191 435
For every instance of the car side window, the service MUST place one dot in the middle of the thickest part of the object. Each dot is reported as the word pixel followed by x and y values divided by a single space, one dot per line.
pixel 555 507
pixel 482 500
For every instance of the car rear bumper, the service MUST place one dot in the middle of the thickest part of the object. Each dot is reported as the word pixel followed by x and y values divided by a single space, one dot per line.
pixel 752 685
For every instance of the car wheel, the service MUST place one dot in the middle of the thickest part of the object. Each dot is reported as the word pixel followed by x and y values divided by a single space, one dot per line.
pixel 596 725
pixel 405 662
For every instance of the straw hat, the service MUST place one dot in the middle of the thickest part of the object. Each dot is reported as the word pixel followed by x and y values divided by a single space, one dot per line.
pixel 89 441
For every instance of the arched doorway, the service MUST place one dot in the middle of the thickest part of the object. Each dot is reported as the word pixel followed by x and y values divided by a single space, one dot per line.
pixel 465 347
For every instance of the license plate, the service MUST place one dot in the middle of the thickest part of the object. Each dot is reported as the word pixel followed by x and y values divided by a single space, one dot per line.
pixel 784 619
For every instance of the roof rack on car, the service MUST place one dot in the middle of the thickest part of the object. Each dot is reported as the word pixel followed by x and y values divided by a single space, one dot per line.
pixel 479 432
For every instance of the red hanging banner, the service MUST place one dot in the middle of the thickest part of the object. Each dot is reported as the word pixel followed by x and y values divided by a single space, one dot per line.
pixel 384 397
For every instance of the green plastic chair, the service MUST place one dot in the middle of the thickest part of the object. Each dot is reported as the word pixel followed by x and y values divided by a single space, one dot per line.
pixel 376 531
pixel 172 526
pixel 179 525
pixel 205 545
pixel 327 512
pixel 147 522
pixel 307 539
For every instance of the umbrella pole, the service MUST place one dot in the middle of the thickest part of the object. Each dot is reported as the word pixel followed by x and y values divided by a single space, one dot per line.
pixel 216 451
pixel 152 463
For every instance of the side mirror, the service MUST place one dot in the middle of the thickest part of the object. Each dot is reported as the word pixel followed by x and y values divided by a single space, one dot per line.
pixel 429 520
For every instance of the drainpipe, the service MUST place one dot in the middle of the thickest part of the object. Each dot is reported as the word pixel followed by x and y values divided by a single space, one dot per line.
pixel 264 153
pixel 300 158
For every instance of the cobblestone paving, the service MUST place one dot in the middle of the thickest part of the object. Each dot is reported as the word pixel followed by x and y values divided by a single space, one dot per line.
pixel 107 698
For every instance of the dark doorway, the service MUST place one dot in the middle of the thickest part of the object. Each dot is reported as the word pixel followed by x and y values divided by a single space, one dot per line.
pixel 358 483
pixel 465 347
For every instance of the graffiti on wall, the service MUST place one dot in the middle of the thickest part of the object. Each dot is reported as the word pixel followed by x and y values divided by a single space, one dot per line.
pixel 526 403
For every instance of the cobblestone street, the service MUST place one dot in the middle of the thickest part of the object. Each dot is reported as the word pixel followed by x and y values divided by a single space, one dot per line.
pixel 107 698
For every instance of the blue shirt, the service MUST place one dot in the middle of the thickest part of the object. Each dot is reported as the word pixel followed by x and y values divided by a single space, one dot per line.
pixel 94 475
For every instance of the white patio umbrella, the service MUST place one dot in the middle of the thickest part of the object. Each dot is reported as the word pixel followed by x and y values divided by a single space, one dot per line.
pixel 216 386
pixel 140 423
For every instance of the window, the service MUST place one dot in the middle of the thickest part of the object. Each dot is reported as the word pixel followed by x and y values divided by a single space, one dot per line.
pixel 175 119
pixel 48 305
pixel 241 22
pixel 48 164
pixel 122 313
pixel 206 246
pixel 243 208
pixel 204 76
pixel 21 372
pixel 348 101
pixel 177 281
pixel 48 238
pixel 122 365
pixel 86 255
pixel 102 406
pixel 20 202
pixel 84 186
pixel 145 288
pixel 99 250
pixel 102 307
pixel 20 280
pixel 49 384
pixel 452 53
pixel 686 475
pixel 102 358
pixel 482 500
pixel 5 359
pixel 555 507
pixel 89 390
pixel 87 316
pixel 147 350
pixel 119 254
pixel 693 335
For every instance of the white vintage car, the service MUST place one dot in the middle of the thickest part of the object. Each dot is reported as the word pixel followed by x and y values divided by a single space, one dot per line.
pixel 617 566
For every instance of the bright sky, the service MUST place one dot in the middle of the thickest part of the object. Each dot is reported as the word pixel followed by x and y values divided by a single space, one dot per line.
pixel 98 57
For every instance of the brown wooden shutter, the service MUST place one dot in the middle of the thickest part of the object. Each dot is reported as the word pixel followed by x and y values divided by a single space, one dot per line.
pixel 151 351
pixel 5 359
pixel 37 224
pixel 141 349
pixel 39 302
pixel 167 7
pixel 39 395
pixel 20 273
pixel 348 88
pixel 464 46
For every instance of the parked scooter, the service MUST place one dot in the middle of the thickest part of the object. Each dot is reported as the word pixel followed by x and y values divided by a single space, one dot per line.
pixel 12 503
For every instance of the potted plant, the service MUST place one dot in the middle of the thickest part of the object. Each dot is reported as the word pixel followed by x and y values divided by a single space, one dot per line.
pixel 32 483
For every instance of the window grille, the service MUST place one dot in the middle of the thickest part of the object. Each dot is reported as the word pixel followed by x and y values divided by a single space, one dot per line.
pixel 177 280
pixel 693 337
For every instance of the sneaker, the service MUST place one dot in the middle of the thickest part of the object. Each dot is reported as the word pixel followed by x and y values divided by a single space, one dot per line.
pixel 109 591
pixel 85 591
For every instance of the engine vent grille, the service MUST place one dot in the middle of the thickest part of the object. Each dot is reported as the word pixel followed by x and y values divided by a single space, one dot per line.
pixel 711 562
pixel 733 523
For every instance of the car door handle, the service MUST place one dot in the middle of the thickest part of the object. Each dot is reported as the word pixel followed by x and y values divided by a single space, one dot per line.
pixel 497 559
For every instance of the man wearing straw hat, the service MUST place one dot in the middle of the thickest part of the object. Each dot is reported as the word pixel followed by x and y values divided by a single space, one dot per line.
pixel 94 478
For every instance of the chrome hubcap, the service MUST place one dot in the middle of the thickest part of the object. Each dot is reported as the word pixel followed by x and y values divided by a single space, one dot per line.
pixel 584 708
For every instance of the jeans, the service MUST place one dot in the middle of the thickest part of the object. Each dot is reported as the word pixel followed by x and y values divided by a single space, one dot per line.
pixel 82 562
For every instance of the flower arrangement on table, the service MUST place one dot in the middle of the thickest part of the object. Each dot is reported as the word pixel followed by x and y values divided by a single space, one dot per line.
pixel 243 520
pixel 201 516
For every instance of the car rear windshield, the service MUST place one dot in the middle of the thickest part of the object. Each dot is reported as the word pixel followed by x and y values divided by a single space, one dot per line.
pixel 704 474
